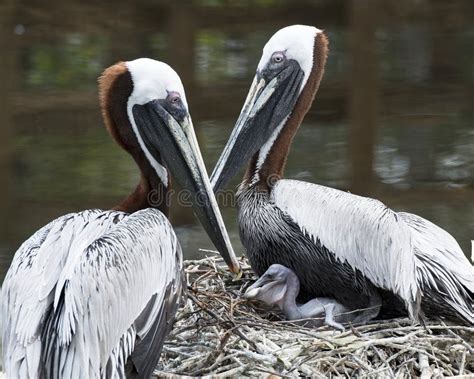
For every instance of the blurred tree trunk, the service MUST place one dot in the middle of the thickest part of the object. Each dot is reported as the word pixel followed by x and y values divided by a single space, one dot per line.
pixel 181 32
pixel 363 94
pixel 444 19
pixel 119 33
pixel 8 80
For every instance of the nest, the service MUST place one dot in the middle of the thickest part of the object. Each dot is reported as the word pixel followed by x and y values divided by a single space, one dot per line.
pixel 218 333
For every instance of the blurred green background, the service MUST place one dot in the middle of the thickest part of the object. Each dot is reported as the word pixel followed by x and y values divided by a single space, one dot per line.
pixel 392 119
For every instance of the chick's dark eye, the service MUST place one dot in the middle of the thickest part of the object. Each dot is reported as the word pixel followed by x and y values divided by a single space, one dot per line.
pixel 174 99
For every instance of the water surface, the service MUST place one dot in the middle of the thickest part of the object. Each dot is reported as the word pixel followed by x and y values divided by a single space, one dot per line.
pixel 392 119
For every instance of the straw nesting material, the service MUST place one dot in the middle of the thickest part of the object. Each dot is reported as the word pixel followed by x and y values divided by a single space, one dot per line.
pixel 217 333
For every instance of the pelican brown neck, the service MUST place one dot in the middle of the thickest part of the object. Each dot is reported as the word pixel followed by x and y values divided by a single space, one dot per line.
pixel 149 193
pixel 115 88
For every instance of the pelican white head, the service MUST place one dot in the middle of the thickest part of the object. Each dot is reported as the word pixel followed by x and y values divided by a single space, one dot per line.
pixel 295 42
pixel 153 80
pixel 288 74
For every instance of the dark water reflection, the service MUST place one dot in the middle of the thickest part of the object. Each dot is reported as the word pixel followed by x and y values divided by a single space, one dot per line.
pixel 393 118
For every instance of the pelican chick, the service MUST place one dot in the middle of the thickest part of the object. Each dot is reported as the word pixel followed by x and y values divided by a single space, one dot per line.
pixel 280 286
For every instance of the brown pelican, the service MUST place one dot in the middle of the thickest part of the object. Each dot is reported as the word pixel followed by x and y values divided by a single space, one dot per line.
pixel 342 246
pixel 280 286
pixel 93 294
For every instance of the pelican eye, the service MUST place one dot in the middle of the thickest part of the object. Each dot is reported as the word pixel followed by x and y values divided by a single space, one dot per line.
pixel 174 99
pixel 174 105
pixel 278 57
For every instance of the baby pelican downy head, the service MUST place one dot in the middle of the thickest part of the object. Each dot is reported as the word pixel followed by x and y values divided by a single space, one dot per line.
pixel 272 287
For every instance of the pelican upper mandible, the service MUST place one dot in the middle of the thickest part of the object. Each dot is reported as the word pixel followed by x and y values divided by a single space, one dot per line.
pixel 342 246
pixel 94 294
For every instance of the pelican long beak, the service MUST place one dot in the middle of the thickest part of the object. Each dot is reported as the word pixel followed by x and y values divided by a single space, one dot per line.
pixel 269 103
pixel 174 142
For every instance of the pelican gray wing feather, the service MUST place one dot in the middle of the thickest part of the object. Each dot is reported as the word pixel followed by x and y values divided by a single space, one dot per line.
pixel 396 251
pixel 87 285
pixel 443 271
pixel 97 324
pixel 28 288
